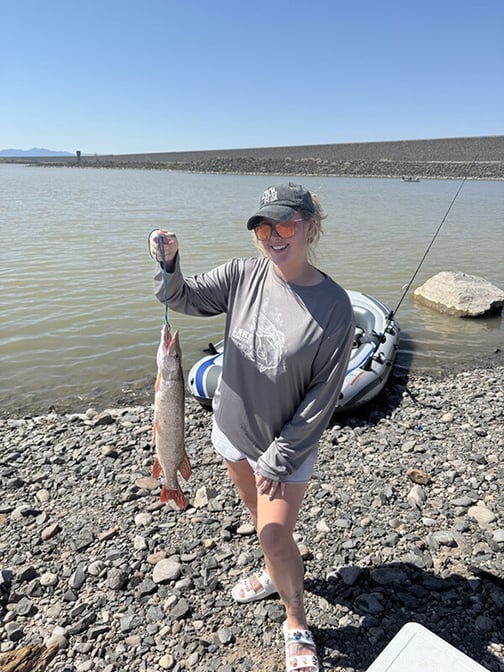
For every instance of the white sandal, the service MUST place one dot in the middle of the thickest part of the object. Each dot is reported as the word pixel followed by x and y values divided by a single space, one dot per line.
pixel 244 590
pixel 299 638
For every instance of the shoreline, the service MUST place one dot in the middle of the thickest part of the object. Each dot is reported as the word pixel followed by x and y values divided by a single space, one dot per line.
pixel 448 158
pixel 141 395
pixel 438 170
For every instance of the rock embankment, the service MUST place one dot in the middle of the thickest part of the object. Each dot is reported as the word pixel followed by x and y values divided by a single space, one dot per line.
pixel 448 158
pixel 403 521
pixel 482 170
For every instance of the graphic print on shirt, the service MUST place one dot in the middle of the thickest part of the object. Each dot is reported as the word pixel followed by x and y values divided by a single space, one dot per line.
pixel 262 341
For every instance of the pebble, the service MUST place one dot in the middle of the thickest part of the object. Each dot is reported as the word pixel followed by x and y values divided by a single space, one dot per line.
pixel 48 579
pixel 349 575
pixel 57 639
pixel 405 498
pixel 482 515
pixel 167 662
pixel 166 570
pixel 416 497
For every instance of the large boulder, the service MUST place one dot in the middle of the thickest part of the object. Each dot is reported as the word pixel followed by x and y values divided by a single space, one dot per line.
pixel 460 294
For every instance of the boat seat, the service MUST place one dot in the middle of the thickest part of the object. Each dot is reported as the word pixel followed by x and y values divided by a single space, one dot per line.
pixel 364 327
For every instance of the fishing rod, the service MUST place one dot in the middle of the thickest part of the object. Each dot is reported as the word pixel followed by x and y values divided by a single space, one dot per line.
pixel 392 313
pixel 434 237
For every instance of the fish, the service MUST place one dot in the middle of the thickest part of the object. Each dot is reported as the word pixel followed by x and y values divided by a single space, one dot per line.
pixel 168 435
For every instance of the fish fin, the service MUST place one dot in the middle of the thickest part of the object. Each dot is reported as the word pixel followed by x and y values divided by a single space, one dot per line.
pixel 158 381
pixel 176 495
pixel 185 468
pixel 156 468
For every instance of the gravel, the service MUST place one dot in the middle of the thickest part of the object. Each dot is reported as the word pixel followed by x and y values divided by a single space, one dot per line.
pixel 403 521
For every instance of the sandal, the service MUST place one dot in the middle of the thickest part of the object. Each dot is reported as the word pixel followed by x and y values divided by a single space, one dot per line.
pixel 244 590
pixel 304 639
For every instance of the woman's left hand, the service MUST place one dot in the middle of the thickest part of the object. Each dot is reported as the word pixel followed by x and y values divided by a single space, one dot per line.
pixel 266 486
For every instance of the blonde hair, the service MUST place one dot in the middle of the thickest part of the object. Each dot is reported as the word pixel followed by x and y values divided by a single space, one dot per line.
pixel 316 218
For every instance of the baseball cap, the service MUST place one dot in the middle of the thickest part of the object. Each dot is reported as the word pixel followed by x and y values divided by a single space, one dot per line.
pixel 280 202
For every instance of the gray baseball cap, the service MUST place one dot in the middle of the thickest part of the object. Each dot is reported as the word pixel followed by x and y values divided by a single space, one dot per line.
pixel 280 202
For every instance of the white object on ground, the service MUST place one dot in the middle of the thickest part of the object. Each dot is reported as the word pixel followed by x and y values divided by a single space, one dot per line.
pixel 417 649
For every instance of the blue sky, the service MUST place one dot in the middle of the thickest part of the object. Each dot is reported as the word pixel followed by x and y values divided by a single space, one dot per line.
pixel 125 76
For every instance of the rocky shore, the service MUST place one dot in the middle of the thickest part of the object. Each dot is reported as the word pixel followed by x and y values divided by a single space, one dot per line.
pixel 446 158
pixel 309 166
pixel 403 521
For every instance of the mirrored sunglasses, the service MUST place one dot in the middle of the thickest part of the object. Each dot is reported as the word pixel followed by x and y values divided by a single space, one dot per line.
pixel 264 230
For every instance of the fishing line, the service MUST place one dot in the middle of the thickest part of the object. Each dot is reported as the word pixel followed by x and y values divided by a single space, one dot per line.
pixel 407 287
pixel 434 237
pixel 160 246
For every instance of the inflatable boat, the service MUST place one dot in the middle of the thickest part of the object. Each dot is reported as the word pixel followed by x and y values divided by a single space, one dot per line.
pixel 374 350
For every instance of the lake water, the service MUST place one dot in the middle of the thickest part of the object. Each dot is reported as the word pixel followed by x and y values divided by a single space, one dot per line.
pixel 80 324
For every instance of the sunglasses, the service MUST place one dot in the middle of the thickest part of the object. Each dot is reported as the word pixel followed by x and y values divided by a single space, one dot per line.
pixel 264 230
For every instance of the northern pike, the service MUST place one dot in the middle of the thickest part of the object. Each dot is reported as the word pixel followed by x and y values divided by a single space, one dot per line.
pixel 169 431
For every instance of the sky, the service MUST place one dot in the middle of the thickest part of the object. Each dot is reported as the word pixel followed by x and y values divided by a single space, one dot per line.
pixel 135 76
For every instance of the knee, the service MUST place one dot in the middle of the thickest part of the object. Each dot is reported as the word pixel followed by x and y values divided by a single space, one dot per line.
pixel 275 540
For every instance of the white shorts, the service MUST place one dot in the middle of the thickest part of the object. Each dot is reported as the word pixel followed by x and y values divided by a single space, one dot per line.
pixel 225 448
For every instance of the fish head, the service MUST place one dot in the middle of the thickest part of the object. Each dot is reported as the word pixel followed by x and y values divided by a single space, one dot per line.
pixel 169 356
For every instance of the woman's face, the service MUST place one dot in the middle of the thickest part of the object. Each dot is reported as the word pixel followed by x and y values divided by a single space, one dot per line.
pixel 287 244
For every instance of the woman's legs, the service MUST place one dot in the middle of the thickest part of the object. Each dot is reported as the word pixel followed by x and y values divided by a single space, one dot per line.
pixel 275 521
pixel 242 475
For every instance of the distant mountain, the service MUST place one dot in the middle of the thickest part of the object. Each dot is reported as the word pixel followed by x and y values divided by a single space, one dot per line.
pixel 35 151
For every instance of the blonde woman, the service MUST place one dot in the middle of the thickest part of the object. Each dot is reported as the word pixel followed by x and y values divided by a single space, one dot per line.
pixel 288 338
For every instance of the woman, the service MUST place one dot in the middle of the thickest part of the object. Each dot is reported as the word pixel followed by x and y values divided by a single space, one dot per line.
pixel 288 337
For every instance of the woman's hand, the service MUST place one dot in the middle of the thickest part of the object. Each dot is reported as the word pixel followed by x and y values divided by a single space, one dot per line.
pixel 266 486
pixel 165 249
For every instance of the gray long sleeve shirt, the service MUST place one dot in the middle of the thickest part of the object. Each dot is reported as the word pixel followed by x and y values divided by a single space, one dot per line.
pixel 286 351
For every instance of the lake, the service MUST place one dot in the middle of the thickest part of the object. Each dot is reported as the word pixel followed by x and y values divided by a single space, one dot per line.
pixel 80 325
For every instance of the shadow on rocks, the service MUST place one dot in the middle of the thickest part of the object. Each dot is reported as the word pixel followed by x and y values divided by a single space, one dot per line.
pixel 371 605
pixel 6 577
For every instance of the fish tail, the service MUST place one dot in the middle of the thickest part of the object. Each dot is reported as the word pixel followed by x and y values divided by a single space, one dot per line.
pixel 156 468
pixel 176 495
pixel 185 468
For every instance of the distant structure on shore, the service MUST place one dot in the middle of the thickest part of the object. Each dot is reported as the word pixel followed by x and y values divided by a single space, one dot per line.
pixel 450 158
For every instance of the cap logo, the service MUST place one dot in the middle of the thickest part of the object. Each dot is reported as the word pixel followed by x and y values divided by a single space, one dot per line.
pixel 269 195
